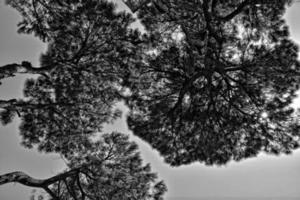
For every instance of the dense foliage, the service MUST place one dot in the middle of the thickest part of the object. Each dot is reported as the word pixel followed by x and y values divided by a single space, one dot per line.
pixel 110 168
pixel 209 81
pixel 79 82
pixel 216 81
pixel 89 45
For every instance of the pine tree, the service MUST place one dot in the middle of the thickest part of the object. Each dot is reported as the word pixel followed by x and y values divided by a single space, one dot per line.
pixel 90 46
pixel 110 168
pixel 216 81
pixel 210 81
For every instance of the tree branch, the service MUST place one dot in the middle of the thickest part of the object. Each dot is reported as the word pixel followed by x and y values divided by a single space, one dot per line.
pixel 25 67
pixel 24 179
pixel 237 11
pixel 80 187
pixel 8 103
pixel 70 190
pixel 185 88
pixel 208 19
pixel 135 5
pixel 52 194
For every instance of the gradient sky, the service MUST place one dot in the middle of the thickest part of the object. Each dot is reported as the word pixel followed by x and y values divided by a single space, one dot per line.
pixel 263 176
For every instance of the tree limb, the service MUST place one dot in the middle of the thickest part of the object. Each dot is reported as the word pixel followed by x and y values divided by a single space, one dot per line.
pixel 25 67
pixel 80 187
pixel 24 179
pixel 237 11
pixel 52 194
pixel 8 103
pixel 186 86
pixel 135 5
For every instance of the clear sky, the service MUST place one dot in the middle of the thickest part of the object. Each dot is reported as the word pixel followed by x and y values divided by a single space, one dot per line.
pixel 263 176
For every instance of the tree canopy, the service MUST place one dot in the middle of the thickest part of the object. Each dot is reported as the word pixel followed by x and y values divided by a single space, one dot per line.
pixel 89 45
pixel 216 81
pixel 110 168
pixel 209 81
pixel 73 96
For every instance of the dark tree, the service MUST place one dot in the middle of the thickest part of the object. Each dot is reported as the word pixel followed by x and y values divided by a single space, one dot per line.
pixel 210 81
pixel 216 80
pixel 74 94
pixel 109 169
pixel 89 48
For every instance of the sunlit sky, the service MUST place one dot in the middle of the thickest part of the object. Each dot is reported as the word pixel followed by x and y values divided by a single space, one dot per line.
pixel 263 176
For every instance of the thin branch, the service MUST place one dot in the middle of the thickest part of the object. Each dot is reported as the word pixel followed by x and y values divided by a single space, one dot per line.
pixel 71 192
pixel 135 6
pixel 25 67
pixel 186 86
pixel 237 11
pixel 54 196
pixel 80 187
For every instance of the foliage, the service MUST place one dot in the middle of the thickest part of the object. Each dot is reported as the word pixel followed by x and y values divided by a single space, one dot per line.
pixel 216 82
pixel 112 170
pixel 89 48
pixel 109 168
pixel 211 81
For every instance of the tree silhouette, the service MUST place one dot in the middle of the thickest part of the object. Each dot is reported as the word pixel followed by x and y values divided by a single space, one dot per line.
pixel 110 168
pixel 216 81
pixel 90 46
pixel 210 81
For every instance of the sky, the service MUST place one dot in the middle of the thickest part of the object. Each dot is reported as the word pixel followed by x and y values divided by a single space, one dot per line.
pixel 263 176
